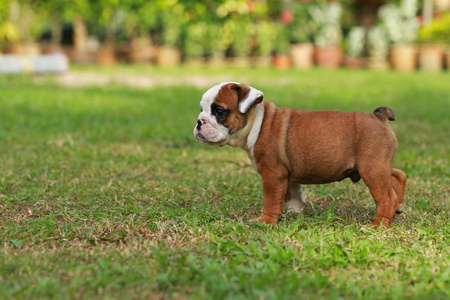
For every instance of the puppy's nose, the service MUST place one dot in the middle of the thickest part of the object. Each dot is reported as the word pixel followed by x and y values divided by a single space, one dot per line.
pixel 199 124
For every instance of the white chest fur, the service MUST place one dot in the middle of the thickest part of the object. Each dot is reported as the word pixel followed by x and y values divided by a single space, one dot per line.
pixel 254 133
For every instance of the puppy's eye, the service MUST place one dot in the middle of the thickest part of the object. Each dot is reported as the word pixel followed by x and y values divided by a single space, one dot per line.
pixel 220 113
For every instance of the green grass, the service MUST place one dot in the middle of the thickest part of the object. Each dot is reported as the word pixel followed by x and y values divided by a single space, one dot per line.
pixel 105 193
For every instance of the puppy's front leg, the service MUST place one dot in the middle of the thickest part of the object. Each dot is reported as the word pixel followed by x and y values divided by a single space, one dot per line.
pixel 274 190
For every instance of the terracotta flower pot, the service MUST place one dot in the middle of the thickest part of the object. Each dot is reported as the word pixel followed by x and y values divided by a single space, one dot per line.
pixel 431 58
pixel 168 56
pixel 404 57
pixel 240 62
pixel 378 64
pixel 329 57
pixel 140 51
pixel 282 61
pixel 51 49
pixel 30 49
pixel 355 62
pixel 262 61
pixel 194 61
pixel 216 62
pixel 302 56
pixel 139 55
pixel 106 56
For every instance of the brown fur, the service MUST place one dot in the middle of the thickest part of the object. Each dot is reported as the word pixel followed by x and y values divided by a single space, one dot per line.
pixel 315 147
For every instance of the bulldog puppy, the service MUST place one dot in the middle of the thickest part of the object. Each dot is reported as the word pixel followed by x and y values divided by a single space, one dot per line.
pixel 290 147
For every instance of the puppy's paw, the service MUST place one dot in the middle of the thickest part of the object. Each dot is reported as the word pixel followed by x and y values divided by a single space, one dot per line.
pixel 380 222
pixel 267 219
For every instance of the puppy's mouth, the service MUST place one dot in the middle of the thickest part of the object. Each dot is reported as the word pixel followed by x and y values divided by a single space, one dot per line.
pixel 205 141
pixel 202 139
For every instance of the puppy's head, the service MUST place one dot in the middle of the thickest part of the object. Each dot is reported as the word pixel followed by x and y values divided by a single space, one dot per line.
pixel 225 109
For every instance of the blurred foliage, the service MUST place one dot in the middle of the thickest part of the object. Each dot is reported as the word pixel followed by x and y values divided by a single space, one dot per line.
pixel 301 28
pixel 9 32
pixel 327 21
pixel 266 35
pixel 242 32
pixel 140 15
pixel 356 41
pixel 437 31
pixel 215 42
pixel 400 21
pixel 196 40
pixel 203 27
pixel 282 39
pixel 378 43
pixel 64 10
pixel 4 10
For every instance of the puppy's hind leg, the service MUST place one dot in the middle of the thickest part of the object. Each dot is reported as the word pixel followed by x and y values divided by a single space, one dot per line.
pixel 378 180
pixel 294 200
pixel 398 184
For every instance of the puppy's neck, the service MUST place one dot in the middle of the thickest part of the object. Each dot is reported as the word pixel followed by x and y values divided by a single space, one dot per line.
pixel 246 138
pixel 256 127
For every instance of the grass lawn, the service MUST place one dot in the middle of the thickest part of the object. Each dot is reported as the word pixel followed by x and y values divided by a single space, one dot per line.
pixel 105 193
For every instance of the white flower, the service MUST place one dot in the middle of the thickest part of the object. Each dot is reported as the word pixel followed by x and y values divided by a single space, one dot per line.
pixel 400 22
pixel 378 42
pixel 328 22
pixel 356 39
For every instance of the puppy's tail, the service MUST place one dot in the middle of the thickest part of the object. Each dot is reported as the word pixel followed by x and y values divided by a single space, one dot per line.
pixel 384 114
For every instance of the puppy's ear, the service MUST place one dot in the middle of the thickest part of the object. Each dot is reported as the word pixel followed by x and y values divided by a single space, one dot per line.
pixel 247 97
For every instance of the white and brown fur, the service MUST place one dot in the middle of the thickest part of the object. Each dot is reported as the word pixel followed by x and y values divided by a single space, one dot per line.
pixel 292 147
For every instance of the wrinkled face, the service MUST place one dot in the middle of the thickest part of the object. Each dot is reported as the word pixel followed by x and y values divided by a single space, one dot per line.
pixel 223 112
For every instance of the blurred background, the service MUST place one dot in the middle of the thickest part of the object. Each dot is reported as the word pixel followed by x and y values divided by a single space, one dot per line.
pixel 405 35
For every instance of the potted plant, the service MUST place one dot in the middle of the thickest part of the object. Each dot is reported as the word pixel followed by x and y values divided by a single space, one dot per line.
pixel 20 27
pixel 138 18
pixel 266 36
pixel 327 34
pixel 265 43
pixel 355 47
pixel 107 13
pixel 195 44
pixel 81 51
pixel 215 44
pixel 9 36
pixel 401 26
pixel 242 32
pixel 169 53
pixel 301 50
pixel 282 59
pixel 378 43
pixel 435 37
